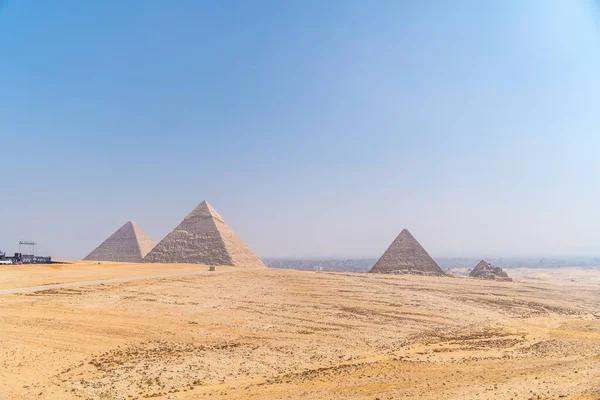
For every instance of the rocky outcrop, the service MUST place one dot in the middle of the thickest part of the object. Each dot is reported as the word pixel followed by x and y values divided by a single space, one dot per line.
pixel 485 270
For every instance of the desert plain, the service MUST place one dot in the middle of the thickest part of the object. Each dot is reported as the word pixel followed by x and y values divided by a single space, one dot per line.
pixel 137 331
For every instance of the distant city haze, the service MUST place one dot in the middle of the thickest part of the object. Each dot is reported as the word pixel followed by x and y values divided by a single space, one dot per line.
pixel 315 128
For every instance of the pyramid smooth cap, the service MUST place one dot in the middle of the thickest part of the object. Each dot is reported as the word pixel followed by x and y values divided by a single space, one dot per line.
pixel 205 210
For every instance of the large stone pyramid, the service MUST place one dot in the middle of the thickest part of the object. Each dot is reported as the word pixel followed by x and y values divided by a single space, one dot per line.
pixel 128 244
pixel 203 237
pixel 485 270
pixel 406 256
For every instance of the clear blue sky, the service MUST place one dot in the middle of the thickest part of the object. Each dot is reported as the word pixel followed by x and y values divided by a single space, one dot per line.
pixel 316 128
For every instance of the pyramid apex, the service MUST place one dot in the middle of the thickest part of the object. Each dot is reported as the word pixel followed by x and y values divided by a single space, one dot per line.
pixel 406 235
pixel 205 210
pixel 131 224
pixel 206 204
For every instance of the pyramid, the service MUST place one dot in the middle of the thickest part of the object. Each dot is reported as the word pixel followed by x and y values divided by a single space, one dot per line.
pixel 203 237
pixel 128 244
pixel 406 256
pixel 485 270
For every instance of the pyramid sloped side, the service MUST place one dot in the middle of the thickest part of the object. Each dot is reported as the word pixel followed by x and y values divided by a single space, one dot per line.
pixel 240 253
pixel 406 255
pixel 196 240
pixel 121 246
pixel 145 242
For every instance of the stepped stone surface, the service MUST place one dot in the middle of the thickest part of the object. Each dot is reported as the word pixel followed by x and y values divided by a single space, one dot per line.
pixel 406 256
pixel 129 244
pixel 203 237
pixel 485 270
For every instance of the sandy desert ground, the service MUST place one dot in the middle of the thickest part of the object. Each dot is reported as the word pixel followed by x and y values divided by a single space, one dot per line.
pixel 283 334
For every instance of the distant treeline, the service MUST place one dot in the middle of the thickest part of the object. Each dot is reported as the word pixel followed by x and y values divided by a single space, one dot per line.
pixel 365 264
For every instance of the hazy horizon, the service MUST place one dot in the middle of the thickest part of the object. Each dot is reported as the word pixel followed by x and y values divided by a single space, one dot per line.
pixel 316 129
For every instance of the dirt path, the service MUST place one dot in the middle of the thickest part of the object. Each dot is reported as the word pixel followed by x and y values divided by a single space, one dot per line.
pixel 105 281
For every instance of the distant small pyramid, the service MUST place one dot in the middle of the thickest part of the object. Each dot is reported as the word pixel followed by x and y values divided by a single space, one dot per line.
pixel 406 256
pixel 485 270
pixel 203 237
pixel 128 244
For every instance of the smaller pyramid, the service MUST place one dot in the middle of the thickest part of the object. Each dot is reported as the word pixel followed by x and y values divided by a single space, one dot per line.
pixel 406 256
pixel 203 237
pixel 485 270
pixel 128 244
